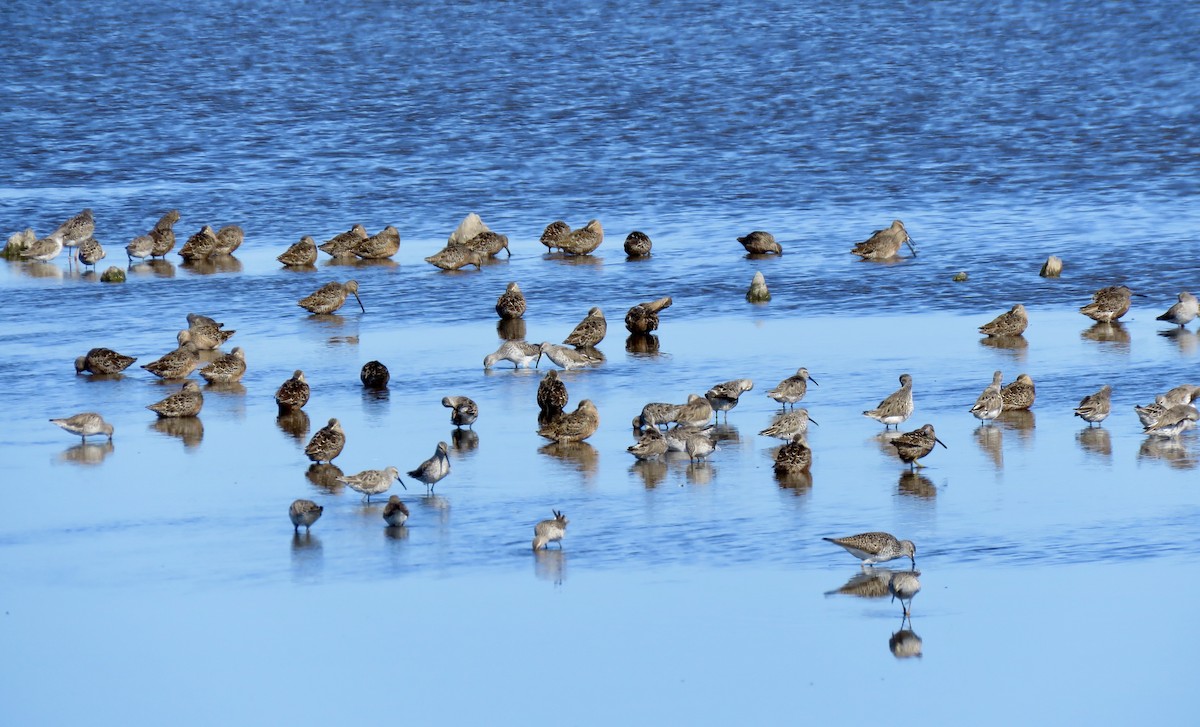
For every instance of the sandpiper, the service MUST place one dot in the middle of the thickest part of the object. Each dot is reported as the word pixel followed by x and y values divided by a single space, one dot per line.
pixel 74 231
pixel 43 250
pixel 380 246
pixel 343 244
pixel 372 482
pixel 1010 323
pixel 1149 414
pixel 724 396
pixel 453 257
pixel 228 369
pixel 207 333
pixel 876 547
pixel 697 412
pixel 990 403
pixel 374 375
pixel 511 303
pixel 488 243
pixel 549 531
pixel 163 234
pixel 1108 304
pixel 229 239
pixel 293 393
pixel 327 443
pixel 573 426
pixel 1173 421
pixel 186 402
pixel 1182 394
pixel 522 354
pixel 91 252
pixel 912 446
pixel 657 414
pixel 648 446
pixel 300 254
pixel 590 331
pixel 643 317
pixel 304 512
pixel 568 358
pixel 432 470
pixel 395 512
pixel 1095 408
pixel 554 232
pixel 463 411
pixel 200 245
pixel 637 244
pixel 793 457
pixel 1019 394
pixel 85 424
pixel 551 397
pixel 331 296
pixel 896 407
pixel 793 388
pixel 884 244
pixel 760 243
pixel 904 585
pixel 103 361
pixel 582 241
pixel 140 247
pixel 789 424
pixel 177 364
pixel 1183 312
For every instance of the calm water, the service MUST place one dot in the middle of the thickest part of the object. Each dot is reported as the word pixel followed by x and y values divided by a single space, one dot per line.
pixel 1050 553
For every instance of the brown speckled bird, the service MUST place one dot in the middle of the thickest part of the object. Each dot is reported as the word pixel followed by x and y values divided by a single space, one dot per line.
pixel 511 303
pixel 575 426
pixel 590 331
pixel 643 317
pixel 760 243
pixel 103 361
pixel 327 443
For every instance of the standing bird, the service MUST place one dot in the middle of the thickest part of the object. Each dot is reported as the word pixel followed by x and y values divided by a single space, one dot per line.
pixel 186 402
pixel 395 512
pixel 300 254
pixel 582 241
pixel 568 358
pixel 511 303
pixel 590 331
pixel 206 333
pixel 463 411
pixel 177 364
pixel 85 424
pixel 103 361
pixel 522 354
pixel 1149 414
pixel 789 424
pixel 697 412
pixel 432 470
pixel 372 482
pixel 904 585
pixel 724 396
pixel 991 402
pixel 1011 323
pixel 1183 312
pixel 380 246
pixel 453 257
pixel 760 243
pixel 549 531
pixel 884 244
pixel 794 457
pixel 1108 304
pixel 551 397
pixel 872 548
pixel 643 317
pixel 200 245
pixel 43 250
pixel 649 445
pixel 637 244
pixel 374 375
pixel 74 231
pixel 1173 421
pixel 896 407
pixel 304 512
pixel 91 252
pixel 228 369
pixel 140 247
pixel 658 414
pixel 229 239
pixel 343 244
pixel 488 244
pixel 912 446
pixel 1019 394
pixel 293 394
pixel 163 234
pixel 575 426
pixel 554 232
pixel 1095 408
pixel 327 443
pixel 331 296
pixel 793 388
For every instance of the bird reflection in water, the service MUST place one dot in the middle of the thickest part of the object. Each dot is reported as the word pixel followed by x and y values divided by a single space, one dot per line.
pixel 652 472
pixel 905 644
pixel 438 506
pixel 883 440
pixel 726 433
pixel 325 476
pixel 870 582
pixel 579 456
pixel 87 453
pixel 1095 440
pixel 991 443
pixel 699 473
pixel 156 267
pixel 188 429
pixel 1186 340
pixel 550 565
pixel 212 265
pixel 915 484
pixel 1113 333
pixel 1175 451
pixel 512 329
pixel 1015 346
pixel 464 440
pixel 294 423
pixel 1021 421
pixel 396 532
pixel 800 483
pixel 307 556
pixel 642 344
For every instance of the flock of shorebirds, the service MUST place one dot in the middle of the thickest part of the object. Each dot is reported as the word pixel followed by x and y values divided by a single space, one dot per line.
pixel 660 428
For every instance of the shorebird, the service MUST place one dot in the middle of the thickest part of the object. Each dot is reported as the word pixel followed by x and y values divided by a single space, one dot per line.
pixel 872 548
pixel 140 247
pixel 511 303
pixel 657 414
pixel 331 296
pixel 568 358
pixel 643 317
pixel 884 244
pixel 1183 312
pixel 103 361
pixel 228 369
pixel 698 446
pixel 432 470
pixel 91 252
pixel 327 443
pixel 395 512
pixel 1149 414
pixel 379 246
pixel 374 375
pixel 904 585
pixel 554 232
pixel 43 250
pixel 648 446
pixel 1173 421
pixel 372 482
pixel 1095 408
pixel 229 239
pixel 200 245
pixel 300 254
pixel 163 234
pixel 488 244
pixel 590 331
pixel 896 407
pixel 1108 304
pixel 453 257
pixel 793 457
pixel 760 243
pixel 549 531
pixel 551 396
pixel 343 244
pixel 697 412
pixel 522 354
pixel 304 512
pixel 793 388
pixel 582 241
pixel 990 403
pixel 293 393
pixel 207 333
pixel 679 438
pixel 177 364
pixel 724 396
pixel 463 412
pixel 1010 323
pixel 1019 394
pixel 85 424
pixel 74 231
pixel 789 424
pixel 637 244
pixel 184 403
pixel 912 446
pixel 1182 394
pixel 573 426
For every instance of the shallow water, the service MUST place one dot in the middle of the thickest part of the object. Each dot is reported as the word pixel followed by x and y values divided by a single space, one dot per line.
pixel 999 136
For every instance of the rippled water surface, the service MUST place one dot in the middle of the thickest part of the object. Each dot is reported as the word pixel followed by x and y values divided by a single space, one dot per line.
pixel 1051 553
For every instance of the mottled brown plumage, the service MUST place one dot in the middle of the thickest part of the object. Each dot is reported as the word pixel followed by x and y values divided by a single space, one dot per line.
pixel 637 244
pixel 327 443
pixel 1011 323
pixel 463 410
pixel 1019 394
pixel 574 426
pixel 912 446
pixel 643 317
pixel 1108 304
pixel 227 369
pixel 590 331
pixel 453 257
pixel 200 245
pixel 760 243
pixel 551 396
pixel 330 297
pixel 380 246
pixel 163 234
pixel 583 241
pixel 489 244
pixel 229 239
pixel 293 393
pixel 374 375
pixel 553 233
pixel 793 457
pixel 344 243
pixel 884 244
pixel 186 402
pixel 300 254
pixel 177 364
pixel 511 303
pixel 103 361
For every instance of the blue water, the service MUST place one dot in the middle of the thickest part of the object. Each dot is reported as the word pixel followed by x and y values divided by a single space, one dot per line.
pixel 999 132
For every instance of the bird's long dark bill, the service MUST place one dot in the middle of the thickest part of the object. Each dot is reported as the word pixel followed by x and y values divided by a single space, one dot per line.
pixel 813 380
pixel 360 305
pixel 401 482
pixel 814 421
pixel 910 247
pixel 941 443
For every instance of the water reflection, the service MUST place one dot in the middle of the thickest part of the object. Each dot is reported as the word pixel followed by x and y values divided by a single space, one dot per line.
pixel 652 472
pixel 212 265
pixel 232 388
pixel 883 440
pixel 915 484
pixel 1021 421
pixel 324 476
pixel 1014 346
pixel 87 453
pixel 42 270
pixel 800 483
pixel 726 433
pixel 157 268
pixel 870 582
pixel 307 555
pixel 438 507
pixel 188 429
pixel 1186 340
pixel 464 440
pixel 396 532
pixel 905 644
pixel 579 456
pixel 294 423
pixel 513 329
pixel 583 260
pixel 1095 440
pixel 550 565
pixel 1112 333
pixel 700 473
pixel 1175 451
pixel 991 443
pixel 643 344
pixel 350 261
